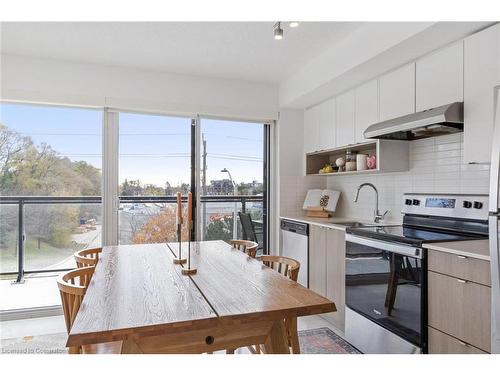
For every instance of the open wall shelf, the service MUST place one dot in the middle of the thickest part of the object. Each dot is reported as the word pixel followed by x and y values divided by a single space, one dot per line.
pixel 392 156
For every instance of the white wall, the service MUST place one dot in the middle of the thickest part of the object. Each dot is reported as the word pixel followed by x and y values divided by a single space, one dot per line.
pixel 53 81
pixel 436 166
pixel 293 185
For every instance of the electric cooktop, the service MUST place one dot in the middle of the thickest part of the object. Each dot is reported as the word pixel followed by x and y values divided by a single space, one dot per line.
pixel 411 235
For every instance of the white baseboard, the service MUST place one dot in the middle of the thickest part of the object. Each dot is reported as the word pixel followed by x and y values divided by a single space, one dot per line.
pixel 29 313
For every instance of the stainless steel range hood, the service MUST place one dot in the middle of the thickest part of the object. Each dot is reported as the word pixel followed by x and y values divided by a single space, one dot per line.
pixel 442 120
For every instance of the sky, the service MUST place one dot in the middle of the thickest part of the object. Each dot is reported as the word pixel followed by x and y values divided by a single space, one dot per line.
pixel 153 149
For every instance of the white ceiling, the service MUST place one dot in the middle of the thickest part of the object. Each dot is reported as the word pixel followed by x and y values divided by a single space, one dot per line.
pixel 234 50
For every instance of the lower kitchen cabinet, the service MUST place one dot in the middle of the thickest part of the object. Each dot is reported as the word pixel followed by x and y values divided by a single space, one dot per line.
pixel 327 268
pixel 441 343
pixel 335 274
pixel 317 256
pixel 459 309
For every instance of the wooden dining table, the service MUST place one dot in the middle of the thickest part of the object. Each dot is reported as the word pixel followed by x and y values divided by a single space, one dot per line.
pixel 138 295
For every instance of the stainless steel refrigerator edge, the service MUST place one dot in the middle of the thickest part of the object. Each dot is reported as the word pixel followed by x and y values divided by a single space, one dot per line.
pixel 494 227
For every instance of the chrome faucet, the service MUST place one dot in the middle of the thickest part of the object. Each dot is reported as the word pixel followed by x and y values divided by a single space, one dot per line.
pixel 377 215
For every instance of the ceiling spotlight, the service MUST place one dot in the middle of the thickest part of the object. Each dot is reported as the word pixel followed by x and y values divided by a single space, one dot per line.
pixel 294 24
pixel 278 31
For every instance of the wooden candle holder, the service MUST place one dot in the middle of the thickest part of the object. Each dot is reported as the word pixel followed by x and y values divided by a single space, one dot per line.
pixel 179 259
pixel 189 270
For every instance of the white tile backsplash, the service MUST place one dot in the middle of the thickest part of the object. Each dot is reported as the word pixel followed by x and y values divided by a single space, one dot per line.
pixel 436 166
pixel 293 191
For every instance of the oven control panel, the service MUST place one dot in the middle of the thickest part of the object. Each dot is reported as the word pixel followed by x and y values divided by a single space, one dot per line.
pixel 474 206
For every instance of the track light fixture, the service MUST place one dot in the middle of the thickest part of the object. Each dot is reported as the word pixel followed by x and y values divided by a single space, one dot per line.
pixel 278 31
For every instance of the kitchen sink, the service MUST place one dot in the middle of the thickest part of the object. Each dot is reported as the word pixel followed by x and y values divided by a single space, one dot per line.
pixel 351 224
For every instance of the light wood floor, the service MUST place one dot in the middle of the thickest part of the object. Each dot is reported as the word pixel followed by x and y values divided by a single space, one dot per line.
pixel 55 324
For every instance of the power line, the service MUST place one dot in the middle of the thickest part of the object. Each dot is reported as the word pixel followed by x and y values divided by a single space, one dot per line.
pixel 240 159
pixel 100 134
pixel 236 156
pixel 234 137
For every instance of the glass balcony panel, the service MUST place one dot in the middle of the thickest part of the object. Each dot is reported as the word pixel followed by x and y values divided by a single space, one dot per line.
pixel 55 231
pixel 149 223
pixel 218 220
pixel 9 216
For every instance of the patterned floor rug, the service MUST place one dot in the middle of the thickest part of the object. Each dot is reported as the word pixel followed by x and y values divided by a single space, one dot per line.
pixel 312 341
pixel 324 341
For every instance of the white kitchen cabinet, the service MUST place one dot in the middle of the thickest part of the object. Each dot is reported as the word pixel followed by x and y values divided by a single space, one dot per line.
pixel 311 129
pixel 326 127
pixel 366 108
pixel 481 74
pixel 346 119
pixel 317 259
pixel 397 93
pixel 439 77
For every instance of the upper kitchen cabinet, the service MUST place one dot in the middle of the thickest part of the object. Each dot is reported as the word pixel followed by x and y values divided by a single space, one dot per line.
pixel 311 129
pixel 397 93
pixel 346 119
pixel 326 125
pixel 439 77
pixel 481 74
pixel 366 108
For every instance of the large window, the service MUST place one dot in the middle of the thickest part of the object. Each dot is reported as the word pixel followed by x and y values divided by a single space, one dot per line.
pixel 49 156
pixel 51 181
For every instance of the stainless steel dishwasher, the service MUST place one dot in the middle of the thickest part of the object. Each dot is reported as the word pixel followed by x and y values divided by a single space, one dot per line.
pixel 294 240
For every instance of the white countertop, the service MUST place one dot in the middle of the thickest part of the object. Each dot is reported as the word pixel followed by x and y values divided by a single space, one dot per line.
pixel 331 222
pixel 478 249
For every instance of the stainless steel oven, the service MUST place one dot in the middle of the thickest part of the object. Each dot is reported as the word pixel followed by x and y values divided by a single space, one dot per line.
pixel 376 273
pixel 386 269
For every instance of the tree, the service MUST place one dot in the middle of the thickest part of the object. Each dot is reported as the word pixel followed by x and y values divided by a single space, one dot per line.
pixel 220 227
pixel 27 169
pixel 131 188
pixel 161 228
pixel 11 147
pixel 153 190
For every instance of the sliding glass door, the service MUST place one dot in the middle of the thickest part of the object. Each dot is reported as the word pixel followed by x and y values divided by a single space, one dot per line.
pixel 154 164
pixel 233 181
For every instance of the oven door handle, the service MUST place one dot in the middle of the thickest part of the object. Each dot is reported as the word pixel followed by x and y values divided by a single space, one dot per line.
pixel 414 252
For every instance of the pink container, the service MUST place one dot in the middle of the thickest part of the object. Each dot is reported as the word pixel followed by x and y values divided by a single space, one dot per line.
pixel 371 162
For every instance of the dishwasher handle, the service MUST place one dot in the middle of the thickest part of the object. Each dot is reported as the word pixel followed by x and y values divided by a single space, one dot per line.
pixel 295 227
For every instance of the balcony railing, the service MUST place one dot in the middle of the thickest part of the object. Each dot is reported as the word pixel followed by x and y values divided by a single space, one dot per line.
pixel 39 234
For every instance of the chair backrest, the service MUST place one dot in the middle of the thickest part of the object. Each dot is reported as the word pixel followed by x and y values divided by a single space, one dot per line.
pixel 72 286
pixel 247 227
pixel 87 257
pixel 286 266
pixel 248 247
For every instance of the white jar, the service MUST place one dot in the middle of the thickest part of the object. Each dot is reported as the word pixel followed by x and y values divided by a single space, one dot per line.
pixel 361 162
